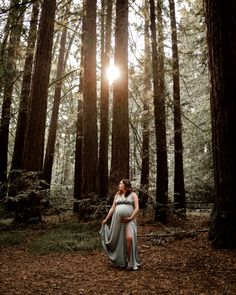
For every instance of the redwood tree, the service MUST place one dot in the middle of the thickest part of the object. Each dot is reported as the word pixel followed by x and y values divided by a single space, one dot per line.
pixel 120 124
pixel 49 156
pixel 3 44
pixel 34 143
pixel 10 74
pixel 221 38
pixel 25 91
pixel 79 126
pixel 160 117
pixel 104 101
pixel 144 182
pixel 78 153
pixel 90 144
pixel 179 188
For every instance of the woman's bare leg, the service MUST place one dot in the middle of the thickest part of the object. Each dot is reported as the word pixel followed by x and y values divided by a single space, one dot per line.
pixel 128 241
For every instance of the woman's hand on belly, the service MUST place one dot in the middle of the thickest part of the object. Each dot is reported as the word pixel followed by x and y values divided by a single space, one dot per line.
pixel 126 219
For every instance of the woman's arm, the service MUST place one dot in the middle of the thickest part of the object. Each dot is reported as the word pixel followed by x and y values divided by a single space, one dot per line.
pixel 110 212
pixel 136 205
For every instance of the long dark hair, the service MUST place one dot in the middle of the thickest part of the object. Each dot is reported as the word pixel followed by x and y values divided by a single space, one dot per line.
pixel 128 187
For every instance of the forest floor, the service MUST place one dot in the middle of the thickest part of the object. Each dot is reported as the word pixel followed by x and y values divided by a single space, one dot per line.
pixel 176 258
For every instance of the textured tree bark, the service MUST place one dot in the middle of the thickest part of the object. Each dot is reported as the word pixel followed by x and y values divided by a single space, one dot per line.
pixel 50 150
pixel 120 124
pixel 3 46
pixel 34 143
pixel 144 183
pixel 78 154
pixel 25 91
pixel 160 120
pixel 16 25
pixel 79 128
pixel 104 101
pixel 221 38
pixel 179 188
pixel 90 138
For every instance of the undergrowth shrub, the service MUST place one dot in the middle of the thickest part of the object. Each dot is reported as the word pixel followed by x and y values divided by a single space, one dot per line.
pixel 11 238
pixel 68 237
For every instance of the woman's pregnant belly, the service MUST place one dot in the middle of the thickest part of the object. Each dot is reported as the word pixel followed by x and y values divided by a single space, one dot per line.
pixel 124 210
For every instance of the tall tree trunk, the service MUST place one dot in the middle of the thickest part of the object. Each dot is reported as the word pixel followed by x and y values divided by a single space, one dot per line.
pixel 90 144
pixel 3 45
pixel 78 154
pixel 34 143
pixel 104 103
pixel 16 25
pixel 144 183
pixel 50 150
pixel 221 38
pixel 162 171
pixel 179 188
pixel 160 120
pixel 79 127
pixel 25 91
pixel 120 122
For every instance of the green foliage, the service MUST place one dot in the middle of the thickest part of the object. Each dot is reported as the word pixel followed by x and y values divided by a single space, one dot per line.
pixel 68 237
pixel 11 238
pixel 61 198
pixel 6 217
pixel 93 208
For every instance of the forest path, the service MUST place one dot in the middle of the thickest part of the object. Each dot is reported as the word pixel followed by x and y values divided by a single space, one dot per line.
pixel 179 266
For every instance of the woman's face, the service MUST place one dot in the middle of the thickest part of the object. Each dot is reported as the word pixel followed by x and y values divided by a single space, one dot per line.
pixel 121 186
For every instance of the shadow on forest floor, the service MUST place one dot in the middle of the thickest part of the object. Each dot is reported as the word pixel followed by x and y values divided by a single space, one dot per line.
pixel 176 259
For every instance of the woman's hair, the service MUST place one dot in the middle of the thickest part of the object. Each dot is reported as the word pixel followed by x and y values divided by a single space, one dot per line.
pixel 128 186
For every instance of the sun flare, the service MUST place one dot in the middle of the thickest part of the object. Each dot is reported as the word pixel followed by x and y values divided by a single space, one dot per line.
pixel 113 72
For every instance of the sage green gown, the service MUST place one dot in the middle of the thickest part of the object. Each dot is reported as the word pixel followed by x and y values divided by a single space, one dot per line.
pixel 113 236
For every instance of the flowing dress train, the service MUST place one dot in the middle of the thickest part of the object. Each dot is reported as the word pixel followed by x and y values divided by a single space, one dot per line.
pixel 114 236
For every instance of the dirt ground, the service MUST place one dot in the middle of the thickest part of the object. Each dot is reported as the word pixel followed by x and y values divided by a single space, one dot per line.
pixel 170 265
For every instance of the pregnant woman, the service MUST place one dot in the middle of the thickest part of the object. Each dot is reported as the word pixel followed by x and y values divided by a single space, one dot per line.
pixel 120 239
